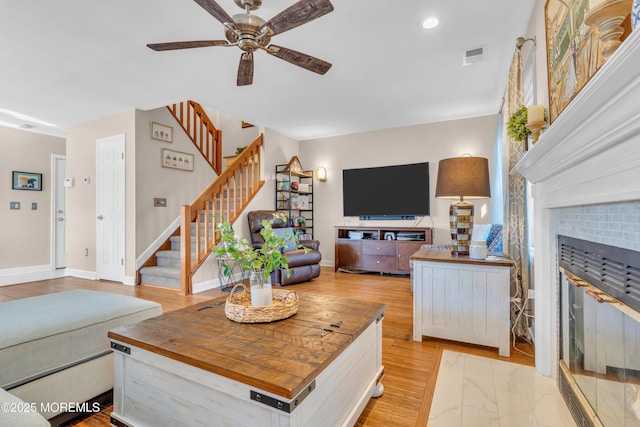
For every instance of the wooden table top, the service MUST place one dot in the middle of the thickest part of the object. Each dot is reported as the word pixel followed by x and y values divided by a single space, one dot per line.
pixel 282 357
pixel 442 255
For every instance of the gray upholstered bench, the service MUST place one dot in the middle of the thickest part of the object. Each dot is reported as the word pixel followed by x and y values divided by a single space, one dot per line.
pixel 54 348
pixel 16 413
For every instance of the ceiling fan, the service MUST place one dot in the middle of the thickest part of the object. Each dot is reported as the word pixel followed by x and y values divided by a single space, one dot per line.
pixel 250 33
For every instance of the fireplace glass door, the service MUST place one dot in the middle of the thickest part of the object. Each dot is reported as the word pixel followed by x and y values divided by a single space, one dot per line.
pixel 600 345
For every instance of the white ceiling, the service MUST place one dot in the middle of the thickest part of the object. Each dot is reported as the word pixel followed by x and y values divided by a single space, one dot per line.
pixel 68 62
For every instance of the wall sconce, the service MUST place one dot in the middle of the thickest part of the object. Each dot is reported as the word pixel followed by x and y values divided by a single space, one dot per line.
pixel 321 174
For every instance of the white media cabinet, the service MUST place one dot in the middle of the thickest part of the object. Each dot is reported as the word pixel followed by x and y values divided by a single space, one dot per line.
pixel 461 299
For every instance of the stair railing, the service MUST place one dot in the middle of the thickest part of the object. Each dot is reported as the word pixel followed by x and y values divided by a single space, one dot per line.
pixel 201 131
pixel 222 201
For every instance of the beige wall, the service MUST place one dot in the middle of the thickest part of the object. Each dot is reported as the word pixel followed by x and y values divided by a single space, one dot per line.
pixel 81 198
pixel 422 143
pixel 277 149
pixel 146 179
pixel 233 134
pixel 153 180
pixel 26 233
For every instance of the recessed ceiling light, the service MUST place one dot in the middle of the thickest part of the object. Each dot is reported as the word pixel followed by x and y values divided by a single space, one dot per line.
pixel 429 23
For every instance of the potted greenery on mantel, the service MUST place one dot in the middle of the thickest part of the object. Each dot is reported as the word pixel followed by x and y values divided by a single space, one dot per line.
pixel 516 125
pixel 261 262
pixel 519 128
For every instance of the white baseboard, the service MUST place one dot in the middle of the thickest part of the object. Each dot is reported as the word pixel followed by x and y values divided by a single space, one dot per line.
pixel 92 275
pixel 205 286
pixel 82 274
pixel 14 276
pixel 327 263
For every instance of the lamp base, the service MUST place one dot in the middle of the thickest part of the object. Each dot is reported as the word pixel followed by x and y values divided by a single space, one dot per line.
pixel 461 226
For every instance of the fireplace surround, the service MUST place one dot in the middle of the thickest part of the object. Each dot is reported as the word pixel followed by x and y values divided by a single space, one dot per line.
pixel 585 175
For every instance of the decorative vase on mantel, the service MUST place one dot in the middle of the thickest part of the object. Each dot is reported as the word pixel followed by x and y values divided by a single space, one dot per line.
pixel 260 288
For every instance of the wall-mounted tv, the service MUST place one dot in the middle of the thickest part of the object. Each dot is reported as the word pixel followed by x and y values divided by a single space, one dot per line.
pixel 387 192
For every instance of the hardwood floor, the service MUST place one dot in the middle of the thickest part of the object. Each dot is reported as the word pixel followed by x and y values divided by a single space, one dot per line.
pixel 410 367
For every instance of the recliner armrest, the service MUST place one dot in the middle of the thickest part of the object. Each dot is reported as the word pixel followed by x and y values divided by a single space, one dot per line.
pixel 311 244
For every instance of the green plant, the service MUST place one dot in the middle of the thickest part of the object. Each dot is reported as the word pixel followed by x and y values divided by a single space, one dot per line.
pixel 268 257
pixel 516 125
pixel 239 150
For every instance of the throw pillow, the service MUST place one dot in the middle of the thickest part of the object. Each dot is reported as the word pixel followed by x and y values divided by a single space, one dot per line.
pixel 284 232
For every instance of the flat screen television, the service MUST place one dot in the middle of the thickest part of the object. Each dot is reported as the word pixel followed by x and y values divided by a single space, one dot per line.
pixel 387 192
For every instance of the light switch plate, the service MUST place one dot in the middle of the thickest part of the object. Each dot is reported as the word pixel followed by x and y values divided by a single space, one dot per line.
pixel 14 205
pixel 34 206
pixel 159 202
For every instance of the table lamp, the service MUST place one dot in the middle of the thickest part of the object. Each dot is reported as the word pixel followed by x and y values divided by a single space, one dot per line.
pixel 460 178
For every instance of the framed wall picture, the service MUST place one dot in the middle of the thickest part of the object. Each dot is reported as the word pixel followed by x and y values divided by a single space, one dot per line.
pixel 161 132
pixel 177 160
pixel 26 181
pixel 575 50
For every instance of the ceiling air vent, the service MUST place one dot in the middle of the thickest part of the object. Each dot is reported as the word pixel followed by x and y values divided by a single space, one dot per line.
pixel 473 56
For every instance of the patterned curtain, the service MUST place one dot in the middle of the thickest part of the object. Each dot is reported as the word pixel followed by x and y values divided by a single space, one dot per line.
pixel 515 201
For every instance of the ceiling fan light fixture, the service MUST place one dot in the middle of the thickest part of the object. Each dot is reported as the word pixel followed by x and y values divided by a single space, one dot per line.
pixel 248 19
pixel 250 33
pixel 429 22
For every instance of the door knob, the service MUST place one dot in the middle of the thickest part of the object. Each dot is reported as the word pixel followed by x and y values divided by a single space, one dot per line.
pixel 60 219
pixel 100 217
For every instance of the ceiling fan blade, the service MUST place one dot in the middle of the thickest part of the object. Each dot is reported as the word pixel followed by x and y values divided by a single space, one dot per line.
pixel 300 59
pixel 245 69
pixel 187 45
pixel 297 14
pixel 216 11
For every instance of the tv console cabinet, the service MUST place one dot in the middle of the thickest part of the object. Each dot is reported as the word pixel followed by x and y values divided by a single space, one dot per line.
pixel 380 249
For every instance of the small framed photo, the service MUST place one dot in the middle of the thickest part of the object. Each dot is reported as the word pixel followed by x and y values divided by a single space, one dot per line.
pixel 161 132
pixel 26 181
pixel 177 160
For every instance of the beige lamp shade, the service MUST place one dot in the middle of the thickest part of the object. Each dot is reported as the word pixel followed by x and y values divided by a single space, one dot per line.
pixel 463 177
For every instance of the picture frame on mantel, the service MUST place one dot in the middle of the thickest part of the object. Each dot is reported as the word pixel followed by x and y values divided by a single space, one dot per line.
pixel 574 49
pixel 161 132
pixel 177 160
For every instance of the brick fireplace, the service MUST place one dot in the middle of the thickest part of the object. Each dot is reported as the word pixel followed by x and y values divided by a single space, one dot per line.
pixel 585 171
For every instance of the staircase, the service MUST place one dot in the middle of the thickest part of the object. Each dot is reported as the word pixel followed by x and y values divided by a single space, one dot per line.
pixel 166 272
pixel 204 135
pixel 182 254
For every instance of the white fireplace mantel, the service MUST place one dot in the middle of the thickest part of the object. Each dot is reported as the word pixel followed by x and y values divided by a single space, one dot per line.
pixel 595 142
pixel 589 155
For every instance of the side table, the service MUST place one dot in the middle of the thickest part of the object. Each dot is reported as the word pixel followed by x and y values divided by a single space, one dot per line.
pixel 461 299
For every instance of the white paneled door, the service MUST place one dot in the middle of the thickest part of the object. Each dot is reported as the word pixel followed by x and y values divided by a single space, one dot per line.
pixel 110 208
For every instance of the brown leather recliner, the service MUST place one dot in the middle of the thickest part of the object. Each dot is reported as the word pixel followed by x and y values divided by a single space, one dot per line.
pixel 302 266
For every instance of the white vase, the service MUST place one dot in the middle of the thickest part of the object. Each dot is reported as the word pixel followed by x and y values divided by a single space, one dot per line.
pixel 260 289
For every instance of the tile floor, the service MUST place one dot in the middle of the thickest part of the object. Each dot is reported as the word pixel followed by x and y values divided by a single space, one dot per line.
pixel 475 391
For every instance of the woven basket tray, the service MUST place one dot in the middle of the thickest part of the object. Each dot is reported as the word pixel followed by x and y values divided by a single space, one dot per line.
pixel 239 309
